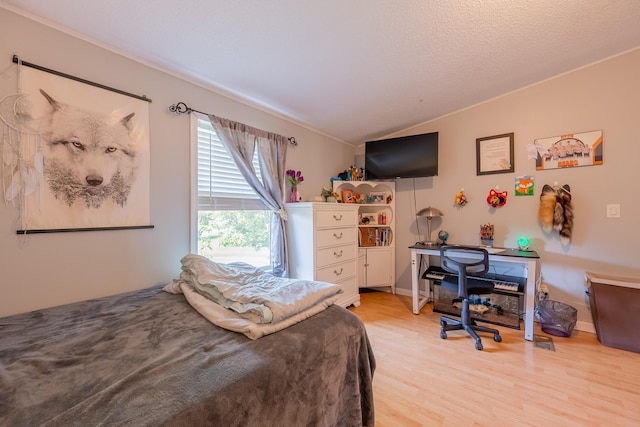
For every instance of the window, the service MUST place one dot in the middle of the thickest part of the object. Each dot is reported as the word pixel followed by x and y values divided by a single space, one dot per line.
pixel 233 223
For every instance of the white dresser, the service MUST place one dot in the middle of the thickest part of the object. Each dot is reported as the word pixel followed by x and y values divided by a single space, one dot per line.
pixel 323 245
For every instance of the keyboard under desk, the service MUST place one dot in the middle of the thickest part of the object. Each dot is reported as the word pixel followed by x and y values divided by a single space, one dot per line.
pixel 504 306
pixel 501 282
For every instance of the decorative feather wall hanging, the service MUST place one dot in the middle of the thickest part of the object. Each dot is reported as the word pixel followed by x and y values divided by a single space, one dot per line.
pixel 556 211
pixel 21 167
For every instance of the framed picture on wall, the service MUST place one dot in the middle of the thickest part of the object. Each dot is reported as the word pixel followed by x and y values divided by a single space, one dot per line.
pixel 569 151
pixel 86 157
pixel 494 154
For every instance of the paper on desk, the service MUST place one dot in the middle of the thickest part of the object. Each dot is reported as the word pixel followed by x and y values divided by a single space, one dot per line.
pixel 493 250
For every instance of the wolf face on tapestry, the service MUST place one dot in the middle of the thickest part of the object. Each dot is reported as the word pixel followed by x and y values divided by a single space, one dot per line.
pixel 83 160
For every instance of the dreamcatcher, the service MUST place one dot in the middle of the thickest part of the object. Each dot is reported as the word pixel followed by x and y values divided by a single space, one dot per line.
pixel 22 143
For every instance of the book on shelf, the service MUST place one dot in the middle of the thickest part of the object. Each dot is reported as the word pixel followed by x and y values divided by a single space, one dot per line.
pixel 367 236
pixel 375 236
pixel 384 236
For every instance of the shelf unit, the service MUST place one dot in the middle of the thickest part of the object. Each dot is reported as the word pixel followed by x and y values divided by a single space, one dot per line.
pixel 375 201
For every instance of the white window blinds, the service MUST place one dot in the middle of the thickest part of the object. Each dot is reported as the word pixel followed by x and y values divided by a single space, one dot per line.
pixel 220 184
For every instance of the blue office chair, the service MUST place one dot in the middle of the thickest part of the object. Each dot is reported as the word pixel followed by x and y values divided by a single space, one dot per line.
pixel 464 260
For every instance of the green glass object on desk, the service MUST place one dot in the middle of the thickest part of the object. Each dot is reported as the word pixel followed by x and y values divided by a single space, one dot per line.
pixel 523 244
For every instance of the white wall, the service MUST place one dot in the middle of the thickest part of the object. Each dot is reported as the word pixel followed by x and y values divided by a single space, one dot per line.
pixel 55 268
pixel 604 96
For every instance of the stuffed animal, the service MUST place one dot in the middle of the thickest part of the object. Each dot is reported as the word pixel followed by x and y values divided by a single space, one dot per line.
pixel 354 173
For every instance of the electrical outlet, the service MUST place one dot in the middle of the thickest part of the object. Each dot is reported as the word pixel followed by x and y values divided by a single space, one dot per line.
pixel 543 291
pixel 613 211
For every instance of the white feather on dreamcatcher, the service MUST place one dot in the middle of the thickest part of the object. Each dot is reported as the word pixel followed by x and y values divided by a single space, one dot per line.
pixel 22 161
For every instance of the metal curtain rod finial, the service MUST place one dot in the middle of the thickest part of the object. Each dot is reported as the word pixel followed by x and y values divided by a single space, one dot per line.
pixel 182 108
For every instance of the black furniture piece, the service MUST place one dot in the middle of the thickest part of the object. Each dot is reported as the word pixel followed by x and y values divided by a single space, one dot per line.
pixel 463 260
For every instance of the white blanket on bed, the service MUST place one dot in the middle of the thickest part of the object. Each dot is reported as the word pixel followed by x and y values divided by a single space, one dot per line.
pixel 240 297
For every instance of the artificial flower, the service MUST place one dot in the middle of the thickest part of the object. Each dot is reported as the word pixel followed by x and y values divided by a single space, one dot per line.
pixel 294 177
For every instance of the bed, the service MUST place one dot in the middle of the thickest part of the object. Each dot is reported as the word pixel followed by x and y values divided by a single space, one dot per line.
pixel 147 358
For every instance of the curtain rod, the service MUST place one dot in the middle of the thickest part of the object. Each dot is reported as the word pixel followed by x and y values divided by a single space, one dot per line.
pixel 17 60
pixel 182 108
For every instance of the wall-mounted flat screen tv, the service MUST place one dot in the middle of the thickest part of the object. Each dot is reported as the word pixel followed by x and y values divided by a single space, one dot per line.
pixel 414 156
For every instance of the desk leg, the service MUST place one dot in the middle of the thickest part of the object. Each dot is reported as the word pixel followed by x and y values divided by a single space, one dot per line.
pixel 415 284
pixel 529 300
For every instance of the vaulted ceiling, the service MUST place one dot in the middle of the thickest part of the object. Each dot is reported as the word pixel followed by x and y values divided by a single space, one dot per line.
pixel 354 70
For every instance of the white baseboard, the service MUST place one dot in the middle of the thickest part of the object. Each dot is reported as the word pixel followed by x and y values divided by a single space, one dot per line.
pixel 583 326
pixel 406 292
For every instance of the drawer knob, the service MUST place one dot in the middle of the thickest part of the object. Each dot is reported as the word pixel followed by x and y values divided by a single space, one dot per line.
pixel 337 255
pixel 337 236
pixel 338 273
pixel 337 218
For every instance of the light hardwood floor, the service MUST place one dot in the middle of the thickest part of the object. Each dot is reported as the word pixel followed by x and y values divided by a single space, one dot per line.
pixel 422 380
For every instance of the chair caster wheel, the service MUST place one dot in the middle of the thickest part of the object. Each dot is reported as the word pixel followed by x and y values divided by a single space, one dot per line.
pixel 443 335
pixel 497 338
pixel 478 345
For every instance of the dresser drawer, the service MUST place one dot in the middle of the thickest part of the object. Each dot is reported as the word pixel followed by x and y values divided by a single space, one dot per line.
pixel 336 273
pixel 349 286
pixel 335 218
pixel 332 255
pixel 335 236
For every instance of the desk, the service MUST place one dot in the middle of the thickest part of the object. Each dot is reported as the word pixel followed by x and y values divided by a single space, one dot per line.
pixel 527 259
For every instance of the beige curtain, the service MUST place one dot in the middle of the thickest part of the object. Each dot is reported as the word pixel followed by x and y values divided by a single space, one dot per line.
pixel 242 142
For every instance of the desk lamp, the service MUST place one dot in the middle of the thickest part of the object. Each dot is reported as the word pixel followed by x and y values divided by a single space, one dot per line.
pixel 430 213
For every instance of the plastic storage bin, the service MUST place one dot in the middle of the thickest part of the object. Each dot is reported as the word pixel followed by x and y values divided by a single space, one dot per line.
pixel 615 307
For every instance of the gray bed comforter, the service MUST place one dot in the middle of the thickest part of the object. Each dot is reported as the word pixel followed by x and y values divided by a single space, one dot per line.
pixel 147 358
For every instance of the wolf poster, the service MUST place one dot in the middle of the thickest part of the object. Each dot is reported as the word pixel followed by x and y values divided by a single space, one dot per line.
pixel 94 146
